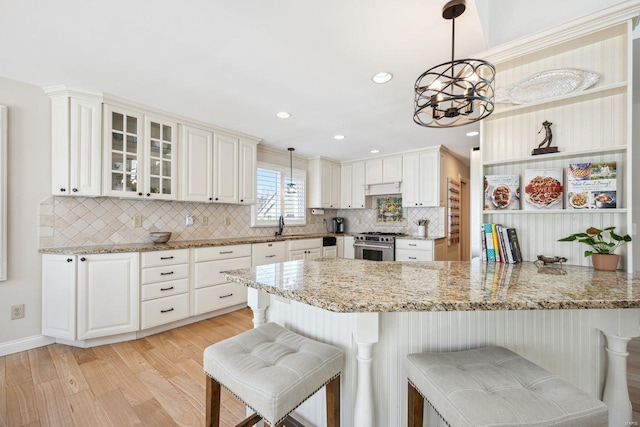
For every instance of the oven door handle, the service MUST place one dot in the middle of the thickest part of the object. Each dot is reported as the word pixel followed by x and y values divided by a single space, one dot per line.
pixel 361 245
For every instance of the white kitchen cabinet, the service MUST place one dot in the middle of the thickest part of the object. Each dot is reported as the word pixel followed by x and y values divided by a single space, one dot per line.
pixel 330 251
pixel 324 184
pixel 421 179
pixel 414 250
pixel 225 164
pixel 211 291
pixel 123 152
pixel 352 195
pixel 383 170
pixel 59 296
pixel 268 253
pixel 160 160
pixel 348 251
pixel 340 246
pixel 76 127
pixel 108 294
pixel 247 172
pixel 196 165
pixel 306 249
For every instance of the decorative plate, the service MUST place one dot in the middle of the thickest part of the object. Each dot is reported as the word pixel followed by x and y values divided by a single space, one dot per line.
pixel 551 83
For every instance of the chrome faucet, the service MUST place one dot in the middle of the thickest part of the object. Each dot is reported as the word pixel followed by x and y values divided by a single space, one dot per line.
pixel 280 226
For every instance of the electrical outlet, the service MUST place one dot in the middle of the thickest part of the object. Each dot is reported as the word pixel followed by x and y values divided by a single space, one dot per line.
pixel 324 220
pixel 205 220
pixel 188 221
pixel 227 221
pixel 137 221
pixel 17 312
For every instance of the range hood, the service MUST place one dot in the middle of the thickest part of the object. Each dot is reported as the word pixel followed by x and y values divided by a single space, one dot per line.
pixel 390 188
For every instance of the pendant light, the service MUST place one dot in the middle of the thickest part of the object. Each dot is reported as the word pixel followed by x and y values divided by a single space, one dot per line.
pixel 291 187
pixel 454 93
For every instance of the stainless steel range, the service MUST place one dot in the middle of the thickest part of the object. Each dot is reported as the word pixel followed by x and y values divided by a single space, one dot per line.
pixel 376 246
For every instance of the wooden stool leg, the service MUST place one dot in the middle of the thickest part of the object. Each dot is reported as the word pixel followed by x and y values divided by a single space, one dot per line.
pixel 213 402
pixel 416 407
pixel 333 402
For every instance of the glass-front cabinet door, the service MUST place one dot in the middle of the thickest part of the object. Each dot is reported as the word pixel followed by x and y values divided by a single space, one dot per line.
pixel 160 159
pixel 123 136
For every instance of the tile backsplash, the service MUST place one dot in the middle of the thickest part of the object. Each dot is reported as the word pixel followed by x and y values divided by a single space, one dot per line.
pixel 81 221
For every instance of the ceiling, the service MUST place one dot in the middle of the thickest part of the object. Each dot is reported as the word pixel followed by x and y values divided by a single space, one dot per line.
pixel 236 64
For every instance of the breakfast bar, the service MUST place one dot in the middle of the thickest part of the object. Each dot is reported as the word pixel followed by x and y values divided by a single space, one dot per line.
pixel 568 319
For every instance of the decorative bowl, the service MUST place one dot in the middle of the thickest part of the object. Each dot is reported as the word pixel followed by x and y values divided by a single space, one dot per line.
pixel 160 236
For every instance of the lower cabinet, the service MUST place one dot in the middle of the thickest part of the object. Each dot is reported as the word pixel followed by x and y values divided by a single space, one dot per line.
pixel 348 251
pixel 211 289
pixel 268 253
pixel 414 250
pixel 304 249
pixel 330 251
pixel 90 296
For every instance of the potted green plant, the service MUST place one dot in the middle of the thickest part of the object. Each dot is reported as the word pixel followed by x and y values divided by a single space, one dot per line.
pixel 604 243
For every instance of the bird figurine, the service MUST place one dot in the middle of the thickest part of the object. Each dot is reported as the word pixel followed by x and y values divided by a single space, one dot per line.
pixel 546 260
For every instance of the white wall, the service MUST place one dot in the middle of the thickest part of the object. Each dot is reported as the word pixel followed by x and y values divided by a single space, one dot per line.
pixel 635 185
pixel 29 181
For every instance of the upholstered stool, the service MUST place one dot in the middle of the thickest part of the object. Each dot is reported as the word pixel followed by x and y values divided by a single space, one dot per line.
pixel 495 387
pixel 273 371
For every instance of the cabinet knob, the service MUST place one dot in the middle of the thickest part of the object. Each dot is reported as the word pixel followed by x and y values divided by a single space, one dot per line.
pixel 83 259
pixel 148 194
pixel 216 198
pixel 63 190
pixel 349 206
pixel 69 259
pixel 420 204
pixel 210 198
pixel 139 194
pixel 75 190
pixel 416 204
pixel 241 200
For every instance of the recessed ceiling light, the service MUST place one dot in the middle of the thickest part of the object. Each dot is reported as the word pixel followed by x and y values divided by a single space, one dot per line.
pixel 375 151
pixel 382 77
pixel 473 133
pixel 283 115
pixel 338 136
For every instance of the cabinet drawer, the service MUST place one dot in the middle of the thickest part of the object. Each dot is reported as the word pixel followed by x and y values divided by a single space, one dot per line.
pixel 421 245
pixel 268 253
pixel 210 272
pixel 305 244
pixel 164 289
pixel 160 258
pixel 164 274
pixel 413 255
pixel 220 296
pixel 164 310
pixel 221 252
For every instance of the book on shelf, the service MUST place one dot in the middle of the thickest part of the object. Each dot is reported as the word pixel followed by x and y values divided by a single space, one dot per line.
pixel 543 189
pixel 592 185
pixel 483 252
pixel 488 235
pixel 496 243
pixel 500 244
pixel 501 192
pixel 515 245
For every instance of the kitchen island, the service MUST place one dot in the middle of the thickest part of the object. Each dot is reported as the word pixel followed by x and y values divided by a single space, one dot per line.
pixel 562 318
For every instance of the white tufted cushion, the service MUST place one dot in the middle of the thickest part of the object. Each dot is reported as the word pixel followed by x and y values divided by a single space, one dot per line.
pixel 272 369
pixel 495 387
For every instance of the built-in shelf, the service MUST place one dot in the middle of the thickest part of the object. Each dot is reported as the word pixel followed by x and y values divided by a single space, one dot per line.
pixel 555 211
pixel 572 96
pixel 576 153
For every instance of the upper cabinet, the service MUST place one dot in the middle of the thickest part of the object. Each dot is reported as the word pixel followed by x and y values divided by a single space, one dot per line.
pixel 217 168
pixel 352 195
pixel 589 126
pixel 421 179
pixel 106 146
pixel 384 170
pixel 324 184
pixel 76 142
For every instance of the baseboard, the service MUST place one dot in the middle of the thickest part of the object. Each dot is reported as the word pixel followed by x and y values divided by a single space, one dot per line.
pixel 24 344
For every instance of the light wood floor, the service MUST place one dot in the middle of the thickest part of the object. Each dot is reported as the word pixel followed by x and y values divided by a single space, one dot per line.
pixel 154 381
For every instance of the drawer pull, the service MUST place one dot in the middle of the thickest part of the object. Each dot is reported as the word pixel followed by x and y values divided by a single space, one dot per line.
pixel 166 311
pixel 166 289
pixel 412 257
pixel 226 296
pixel 226 252
pixel 166 257
pixel 166 274
pixel 412 244
pixel 269 256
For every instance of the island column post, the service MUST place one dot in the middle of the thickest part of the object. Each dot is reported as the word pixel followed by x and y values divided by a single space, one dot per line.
pixel 365 336
pixel 259 302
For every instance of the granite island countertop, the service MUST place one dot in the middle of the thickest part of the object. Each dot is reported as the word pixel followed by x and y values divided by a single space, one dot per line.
pixel 352 286
pixel 185 244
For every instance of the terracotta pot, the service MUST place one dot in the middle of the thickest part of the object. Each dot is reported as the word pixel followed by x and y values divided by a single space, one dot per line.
pixel 606 262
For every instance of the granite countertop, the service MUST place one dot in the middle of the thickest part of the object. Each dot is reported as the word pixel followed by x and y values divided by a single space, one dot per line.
pixel 348 286
pixel 148 247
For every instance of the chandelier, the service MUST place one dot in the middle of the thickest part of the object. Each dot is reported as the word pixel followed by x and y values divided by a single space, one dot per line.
pixel 454 93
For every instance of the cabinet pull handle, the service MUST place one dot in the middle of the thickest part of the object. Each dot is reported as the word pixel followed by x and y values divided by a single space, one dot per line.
pixel 63 190
pixel 83 259
pixel 75 190
pixel 166 274
pixel 166 311
pixel 226 252
pixel 413 244
pixel 166 257
pixel 269 256
pixel 412 257
pixel 225 296
pixel 69 260
pixel 166 289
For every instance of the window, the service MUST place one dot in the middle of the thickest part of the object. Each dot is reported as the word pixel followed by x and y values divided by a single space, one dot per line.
pixel 273 200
